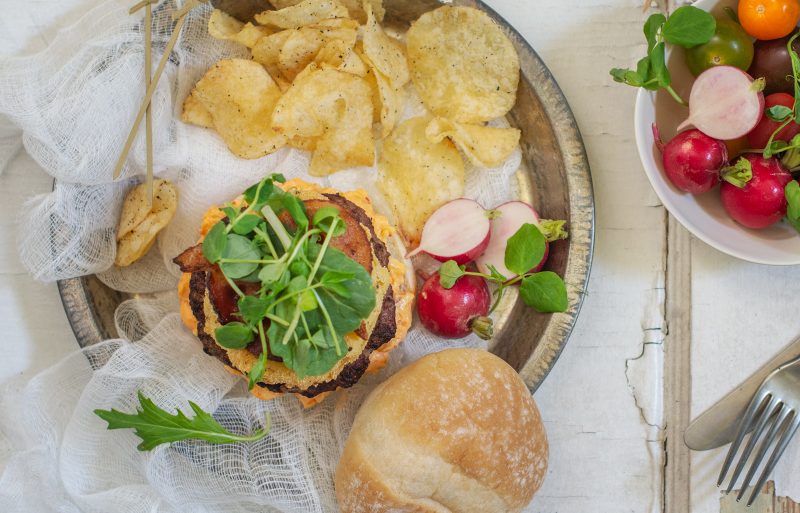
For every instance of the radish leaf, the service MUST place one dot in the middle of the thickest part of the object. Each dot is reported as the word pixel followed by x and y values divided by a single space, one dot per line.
pixel 449 273
pixel 544 292
pixel 525 249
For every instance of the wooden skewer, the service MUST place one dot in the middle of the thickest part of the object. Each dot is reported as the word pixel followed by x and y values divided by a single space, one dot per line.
pixel 191 4
pixel 138 6
pixel 148 70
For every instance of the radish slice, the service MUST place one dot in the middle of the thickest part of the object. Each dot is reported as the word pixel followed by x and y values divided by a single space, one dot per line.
pixel 508 219
pixel 725 103
pixel 458 231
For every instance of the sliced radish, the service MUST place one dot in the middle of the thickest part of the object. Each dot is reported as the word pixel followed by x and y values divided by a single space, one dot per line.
pixel 725 103
pixel 459 230
pixel 508 219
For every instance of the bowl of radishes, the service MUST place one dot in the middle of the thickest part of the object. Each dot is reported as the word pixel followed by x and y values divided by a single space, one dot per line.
pixel 716 126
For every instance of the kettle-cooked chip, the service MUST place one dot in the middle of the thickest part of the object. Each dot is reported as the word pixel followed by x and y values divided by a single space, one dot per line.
pixel 485 146
pixel 298 52
pixel 334 107
pixel 304 13
pixel 336 54
pixel 418 176
pixel 268 49
pixel 354 7
pixel 240 96
pixel 462 64
pixel 385 53
pixel 140 222
pixel 195 113
pixel 387 98
pixel 222 25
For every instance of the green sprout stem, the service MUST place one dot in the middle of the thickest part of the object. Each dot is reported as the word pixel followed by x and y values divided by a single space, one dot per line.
pixel 328 320
pixel 277 226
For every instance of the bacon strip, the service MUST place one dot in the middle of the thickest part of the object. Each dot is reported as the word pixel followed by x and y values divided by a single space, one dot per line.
pixel 192 260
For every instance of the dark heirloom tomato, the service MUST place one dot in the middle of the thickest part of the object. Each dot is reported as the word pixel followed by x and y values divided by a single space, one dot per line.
pixel 760 135
pixel 771 61
pixel 730 46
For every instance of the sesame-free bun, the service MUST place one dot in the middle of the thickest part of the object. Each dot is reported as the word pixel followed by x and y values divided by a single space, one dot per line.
pixel 455 432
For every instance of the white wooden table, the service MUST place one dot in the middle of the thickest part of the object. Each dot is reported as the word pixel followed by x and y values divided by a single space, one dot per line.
pixel 615 403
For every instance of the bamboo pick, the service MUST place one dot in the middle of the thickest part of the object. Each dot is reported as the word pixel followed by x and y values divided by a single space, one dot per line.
pixel 148 70
pixel 191 4
pixel 138 6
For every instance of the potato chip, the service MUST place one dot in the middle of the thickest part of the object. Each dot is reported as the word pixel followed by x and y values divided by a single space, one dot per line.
pixel 240 96
pixel 385 53
pixel 335 107
pixel 354 7
pixel 267 51
pixel 304 13
pixel 195 113
pixel 140 223
pixel 484 146
pixel 462 64
pixel 303 143
pixel 418 176
pixel 222 25
pixel 298 51
pixel 336 54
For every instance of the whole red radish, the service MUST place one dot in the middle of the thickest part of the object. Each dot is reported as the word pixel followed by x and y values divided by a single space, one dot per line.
pixel 458 311
pixel 692 160
pixel 759 137
pixel 725 103
pixel 761 202
pixel 459 230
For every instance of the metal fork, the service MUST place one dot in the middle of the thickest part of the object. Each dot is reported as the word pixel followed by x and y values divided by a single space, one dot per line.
pixel 775 408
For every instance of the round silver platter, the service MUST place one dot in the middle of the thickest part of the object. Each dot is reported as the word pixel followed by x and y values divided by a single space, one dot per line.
pixel 554 177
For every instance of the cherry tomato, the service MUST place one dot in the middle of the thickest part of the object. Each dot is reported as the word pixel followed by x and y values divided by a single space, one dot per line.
pixel 731 46
pixel 772 61
pixel 760 135
pixel 769 19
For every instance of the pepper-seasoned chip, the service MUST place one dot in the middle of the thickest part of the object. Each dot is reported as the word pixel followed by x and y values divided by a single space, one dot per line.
pixel 387 98
pixel 418 176
pixel 305 43
pixel 268 49
pixel 304 13
pixel 139 222
pixel 195 113
pixel 386 53
pixel 240 96
pixel 485 146
pixel 336 108
pixel 336 54
pixel 354 7
pixel 222 25
pixel 462 64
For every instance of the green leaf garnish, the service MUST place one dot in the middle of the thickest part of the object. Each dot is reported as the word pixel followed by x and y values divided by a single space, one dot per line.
pixel 246 224
pixel 545 292
pixel 233 335
pixel 240 257
pixel 525 249
pixel 214 243
pixel 792 192
pixel 738 174
pixel 156 426
pixel 689 26
pixel 779 113
pixel 449 273
pixel 323 218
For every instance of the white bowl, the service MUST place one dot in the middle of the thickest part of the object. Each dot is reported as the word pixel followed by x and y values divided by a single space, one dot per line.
pixel 703 215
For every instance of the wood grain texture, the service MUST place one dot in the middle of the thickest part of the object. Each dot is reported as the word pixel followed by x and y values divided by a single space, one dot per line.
pixel 766 502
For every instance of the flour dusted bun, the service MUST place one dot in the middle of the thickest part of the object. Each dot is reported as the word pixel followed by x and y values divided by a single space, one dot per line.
pixel 455 432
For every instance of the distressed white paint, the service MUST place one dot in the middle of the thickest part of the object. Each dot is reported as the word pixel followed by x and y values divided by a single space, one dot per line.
pixel 606 457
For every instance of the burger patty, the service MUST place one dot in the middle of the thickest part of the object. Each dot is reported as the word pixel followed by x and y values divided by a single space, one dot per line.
pixel 355 243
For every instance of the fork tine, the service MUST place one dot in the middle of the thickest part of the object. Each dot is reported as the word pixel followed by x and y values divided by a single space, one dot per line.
pixel 755 404
pixel 791 429
pixel 766 442
pixel 768 411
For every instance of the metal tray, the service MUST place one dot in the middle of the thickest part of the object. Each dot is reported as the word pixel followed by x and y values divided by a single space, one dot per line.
pixel 554 177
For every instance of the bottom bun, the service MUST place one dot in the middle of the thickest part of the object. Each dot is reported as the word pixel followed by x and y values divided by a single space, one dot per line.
pixel 454 432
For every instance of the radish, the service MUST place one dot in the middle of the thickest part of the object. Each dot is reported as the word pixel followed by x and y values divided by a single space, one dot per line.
pixel 692 160
pixel 458 311
pixel 507 219
pixel 761 201
pixel 459 230
pixel 725 103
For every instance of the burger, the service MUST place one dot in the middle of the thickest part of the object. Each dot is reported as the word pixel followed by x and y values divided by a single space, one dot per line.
pixel 299 288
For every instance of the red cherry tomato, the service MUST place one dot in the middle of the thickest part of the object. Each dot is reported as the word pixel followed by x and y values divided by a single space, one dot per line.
pixel 760 135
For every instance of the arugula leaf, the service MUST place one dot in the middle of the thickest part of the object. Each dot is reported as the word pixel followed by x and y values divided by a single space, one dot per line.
pixel 545 292
pixel 525 249
pixel 792 192
pixel 449 273
pixel 156 426
pixel 236 249
pixel 214 243
pixel 779 113
pixel 233 335
pixel 689 26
